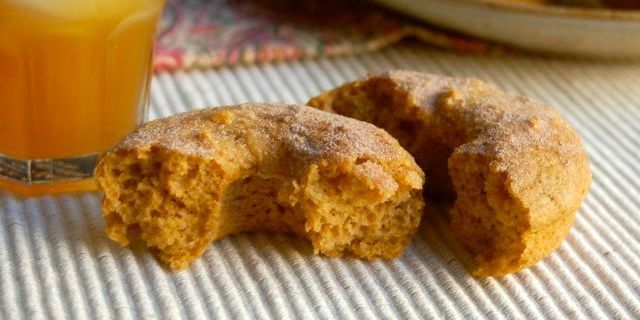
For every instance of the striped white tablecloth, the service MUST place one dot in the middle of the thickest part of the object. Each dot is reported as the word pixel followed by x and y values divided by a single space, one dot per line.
pixel 55 261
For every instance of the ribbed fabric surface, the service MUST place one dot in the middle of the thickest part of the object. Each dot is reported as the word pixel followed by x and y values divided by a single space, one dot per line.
pixel 56 262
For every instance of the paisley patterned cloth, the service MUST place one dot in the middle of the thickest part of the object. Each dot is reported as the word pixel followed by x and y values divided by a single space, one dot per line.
pixel 210 33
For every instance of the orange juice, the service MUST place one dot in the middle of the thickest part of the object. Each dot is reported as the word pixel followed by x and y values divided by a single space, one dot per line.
pixel 74 79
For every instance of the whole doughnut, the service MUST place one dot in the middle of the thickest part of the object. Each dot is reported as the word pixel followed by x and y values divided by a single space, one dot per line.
pixel 182 182
pixel 516 169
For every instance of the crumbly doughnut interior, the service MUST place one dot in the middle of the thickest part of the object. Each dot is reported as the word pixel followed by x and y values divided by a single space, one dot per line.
pixel 460 149
pixel 177 204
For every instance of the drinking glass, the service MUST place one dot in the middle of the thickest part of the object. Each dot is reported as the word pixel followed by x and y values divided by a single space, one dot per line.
pixel 74 79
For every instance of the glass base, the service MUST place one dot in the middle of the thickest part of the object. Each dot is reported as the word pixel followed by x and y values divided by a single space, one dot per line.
pixel 36 190
pixel 46 176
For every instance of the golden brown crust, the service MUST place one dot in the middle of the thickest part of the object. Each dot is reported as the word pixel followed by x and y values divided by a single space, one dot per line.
pixel 181 182
pixel 518 170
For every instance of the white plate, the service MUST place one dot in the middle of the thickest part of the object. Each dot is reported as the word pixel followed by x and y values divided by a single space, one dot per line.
pixel 553 29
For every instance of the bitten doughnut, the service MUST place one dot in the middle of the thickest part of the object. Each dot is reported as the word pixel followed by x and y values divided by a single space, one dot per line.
pixel 182 182
pixel 516 169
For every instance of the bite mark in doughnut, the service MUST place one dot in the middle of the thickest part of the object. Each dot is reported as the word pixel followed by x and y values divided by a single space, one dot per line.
pixel 516 171
pixel 182 182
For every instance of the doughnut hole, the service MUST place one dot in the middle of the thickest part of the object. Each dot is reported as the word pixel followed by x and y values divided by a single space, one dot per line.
pixel 431 156
pixel 394 111
pixel 251 204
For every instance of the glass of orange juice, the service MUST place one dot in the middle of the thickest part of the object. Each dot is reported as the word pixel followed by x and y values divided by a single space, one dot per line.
pixel 74 79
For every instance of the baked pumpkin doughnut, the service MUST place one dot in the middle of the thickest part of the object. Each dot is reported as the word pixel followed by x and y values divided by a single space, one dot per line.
pixel 182 182
pixel 516 169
